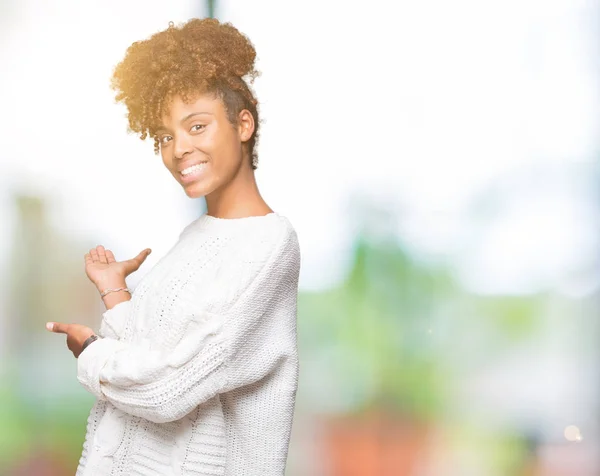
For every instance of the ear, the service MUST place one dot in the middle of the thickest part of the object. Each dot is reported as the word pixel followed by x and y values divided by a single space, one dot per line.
pixel 245 125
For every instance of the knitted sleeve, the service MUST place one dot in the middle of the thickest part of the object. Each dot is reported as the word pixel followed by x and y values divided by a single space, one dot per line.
pixel 113 320
pixel 219 353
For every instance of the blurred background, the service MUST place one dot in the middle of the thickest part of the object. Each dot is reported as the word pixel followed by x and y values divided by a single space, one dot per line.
pixel 440 162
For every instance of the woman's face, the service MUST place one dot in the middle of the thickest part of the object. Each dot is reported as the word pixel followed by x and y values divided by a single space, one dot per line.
pixel 198 139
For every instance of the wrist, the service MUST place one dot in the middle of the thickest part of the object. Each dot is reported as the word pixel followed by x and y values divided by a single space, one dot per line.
pixel 120 289
pixel 112 282
pixel 113 298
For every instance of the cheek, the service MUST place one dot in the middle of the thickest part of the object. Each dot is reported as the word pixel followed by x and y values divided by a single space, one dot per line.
pixel 207 142
pixel 166 160
pixel 229 148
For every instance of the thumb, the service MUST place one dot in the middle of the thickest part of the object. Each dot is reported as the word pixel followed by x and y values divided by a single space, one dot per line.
pixel 143 255
pixel 133 264
pixel 57 327
pixel 139 259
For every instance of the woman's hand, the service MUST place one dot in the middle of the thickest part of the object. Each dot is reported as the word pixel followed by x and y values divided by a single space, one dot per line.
pixel 102 268
pixel 76 334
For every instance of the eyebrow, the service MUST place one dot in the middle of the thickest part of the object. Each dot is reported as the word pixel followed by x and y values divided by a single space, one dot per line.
pixel 164 129
pixel 196 114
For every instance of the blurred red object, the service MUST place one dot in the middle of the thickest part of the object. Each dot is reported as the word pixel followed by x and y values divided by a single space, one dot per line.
pixel 373 444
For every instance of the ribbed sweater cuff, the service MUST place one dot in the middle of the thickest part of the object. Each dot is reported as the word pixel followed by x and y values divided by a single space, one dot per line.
pixel 113 320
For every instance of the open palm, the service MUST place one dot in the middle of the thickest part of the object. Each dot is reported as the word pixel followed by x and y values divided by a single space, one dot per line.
pixel 102 268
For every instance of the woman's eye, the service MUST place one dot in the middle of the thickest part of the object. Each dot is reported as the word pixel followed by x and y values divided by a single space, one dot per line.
pixel 165 139
pixel 198 127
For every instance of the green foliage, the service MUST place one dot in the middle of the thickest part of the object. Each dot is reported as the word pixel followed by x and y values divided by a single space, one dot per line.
pixel 376 326
pixel 14 431
pixel 59 428
pixel 383 338
pixel 517 317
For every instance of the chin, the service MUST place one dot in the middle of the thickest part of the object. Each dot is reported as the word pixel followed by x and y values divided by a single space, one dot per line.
pixel 196 190
pixel 194 193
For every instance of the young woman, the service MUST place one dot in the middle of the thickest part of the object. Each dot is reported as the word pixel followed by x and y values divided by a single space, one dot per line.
pixel 196 372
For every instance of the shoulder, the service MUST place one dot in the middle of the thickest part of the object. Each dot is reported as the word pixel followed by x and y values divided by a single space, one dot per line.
pixel 285 248
pixel 283 237
pixel 258 258
pixel 266 242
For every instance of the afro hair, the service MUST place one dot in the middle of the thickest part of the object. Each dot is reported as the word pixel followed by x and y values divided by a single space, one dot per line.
pixel 199 57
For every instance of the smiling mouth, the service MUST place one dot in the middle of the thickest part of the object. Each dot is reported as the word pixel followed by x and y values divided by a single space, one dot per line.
pixel 193 169
pixel 193 173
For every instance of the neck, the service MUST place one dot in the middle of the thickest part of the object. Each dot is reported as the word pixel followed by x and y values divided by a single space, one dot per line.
pixel 238 198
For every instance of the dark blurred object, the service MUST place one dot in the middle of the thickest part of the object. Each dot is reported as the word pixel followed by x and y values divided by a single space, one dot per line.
pixel 210 7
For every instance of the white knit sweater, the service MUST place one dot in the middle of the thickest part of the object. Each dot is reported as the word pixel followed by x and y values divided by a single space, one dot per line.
pixel 197 374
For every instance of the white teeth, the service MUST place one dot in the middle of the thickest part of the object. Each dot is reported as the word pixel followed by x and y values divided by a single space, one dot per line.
pixel 192 168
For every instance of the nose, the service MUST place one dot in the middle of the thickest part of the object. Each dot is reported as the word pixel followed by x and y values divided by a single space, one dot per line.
pixel 183 146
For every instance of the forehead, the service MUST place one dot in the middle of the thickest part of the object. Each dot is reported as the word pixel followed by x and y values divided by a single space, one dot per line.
pixel 177 109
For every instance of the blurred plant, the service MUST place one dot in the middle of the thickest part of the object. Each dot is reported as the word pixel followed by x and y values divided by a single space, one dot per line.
pixel 375 331
pixel 384 339
pixel 27 433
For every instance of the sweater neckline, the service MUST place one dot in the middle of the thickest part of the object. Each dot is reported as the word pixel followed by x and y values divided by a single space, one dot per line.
pixel 209 222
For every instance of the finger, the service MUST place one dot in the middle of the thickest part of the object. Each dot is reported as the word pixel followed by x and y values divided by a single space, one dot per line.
pixel 94 254
pixel 88 258
pixel 101 254
pixel 110 257
pixel 58 327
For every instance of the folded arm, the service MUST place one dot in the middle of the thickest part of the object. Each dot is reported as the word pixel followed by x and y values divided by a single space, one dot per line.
pixel 217 354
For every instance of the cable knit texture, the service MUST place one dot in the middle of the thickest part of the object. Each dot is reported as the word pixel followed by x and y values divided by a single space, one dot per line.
pixel 197 374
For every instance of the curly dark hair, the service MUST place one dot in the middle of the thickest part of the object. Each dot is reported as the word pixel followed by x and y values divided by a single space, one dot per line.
pixel 200 56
